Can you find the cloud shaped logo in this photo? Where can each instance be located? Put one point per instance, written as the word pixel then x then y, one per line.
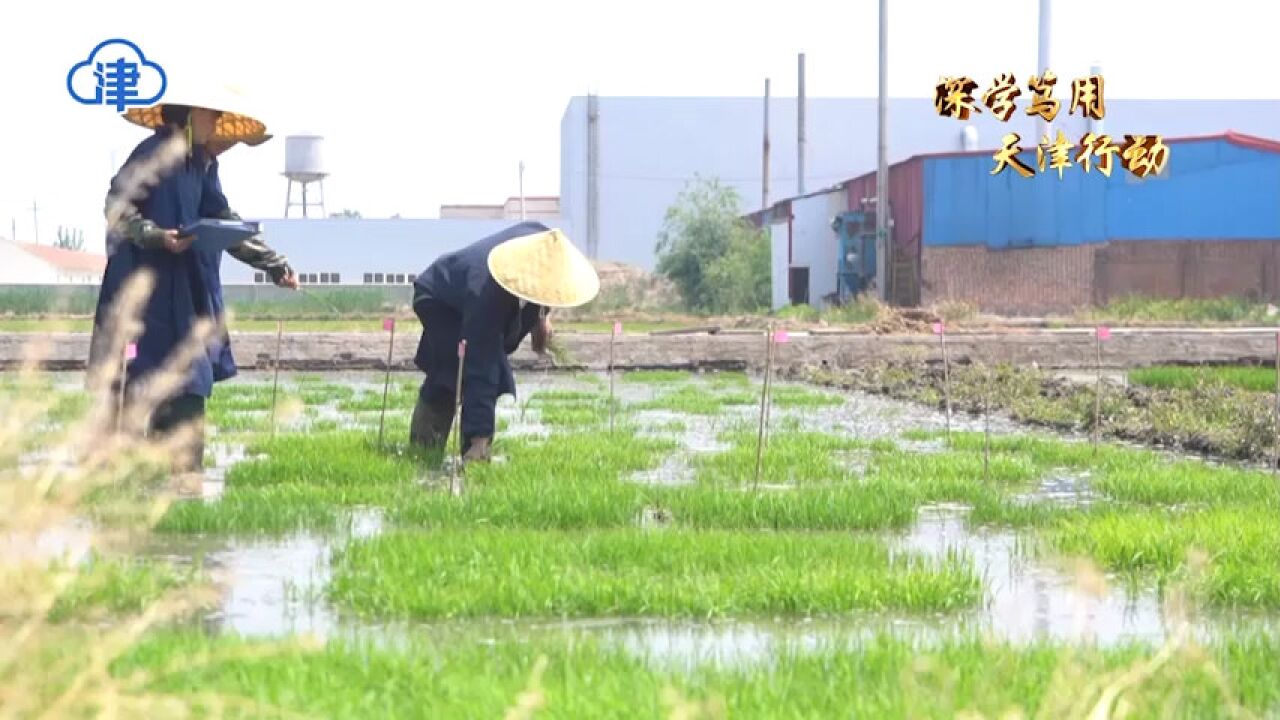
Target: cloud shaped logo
pixel 117 74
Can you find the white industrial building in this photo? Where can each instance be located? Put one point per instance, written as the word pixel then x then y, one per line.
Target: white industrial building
pixel 355 251
pixel 28 264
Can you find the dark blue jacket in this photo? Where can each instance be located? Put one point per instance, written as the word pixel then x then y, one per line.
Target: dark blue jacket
pixel 187 285
pixel 456 297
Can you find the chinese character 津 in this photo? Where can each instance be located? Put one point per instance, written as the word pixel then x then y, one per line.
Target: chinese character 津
pixel 953 97
pixel 1059 152
pixel 119 79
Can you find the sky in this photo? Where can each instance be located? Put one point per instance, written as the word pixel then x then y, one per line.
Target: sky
pixel 423 104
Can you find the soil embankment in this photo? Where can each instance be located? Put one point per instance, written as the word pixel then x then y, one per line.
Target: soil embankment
pixel 1045 349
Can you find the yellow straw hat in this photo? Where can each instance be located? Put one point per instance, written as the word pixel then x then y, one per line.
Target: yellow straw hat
pixel 545 268
pixel 237 121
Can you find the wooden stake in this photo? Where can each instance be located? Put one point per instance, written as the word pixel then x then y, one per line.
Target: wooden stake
pixel 986 429
pixel 1275 464
pixel 390 324
pixel 764 400
pixel 613 335
pixel 768 403
pixel 946 376
pixel 457 395
pixel 1097 395
pixel 275 382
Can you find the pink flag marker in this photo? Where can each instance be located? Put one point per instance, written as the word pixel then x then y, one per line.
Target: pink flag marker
pixel 462 349
pixel 131 351
pixel 617 328
pixel 1104 333
pixel 389 324
pixel 781 337
pixel 937 328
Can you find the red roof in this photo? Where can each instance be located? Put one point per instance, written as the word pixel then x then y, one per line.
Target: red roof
pixel 68 260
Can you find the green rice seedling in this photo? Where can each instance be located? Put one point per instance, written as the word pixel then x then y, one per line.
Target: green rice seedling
pixel 306 379
pixel 224 421
pixel 1251 378
pixel 486 674
pixel 325 393
pixel 372 402
pixel 526 573
pixel 728 380
pixel 654 377
pixel 790 458
pixel 275 509
pixel 1239 546
pixel 571 481
pixel 855 506
pixel 696 400
pixel 349 458
pixel 949 476
pixel 792 396
pixel 553 397
pixel 116 586
pixel 1188 481
pixel 998 510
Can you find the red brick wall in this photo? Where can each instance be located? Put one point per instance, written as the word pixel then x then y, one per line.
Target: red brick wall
pixel 1030 281
pixel 1021 281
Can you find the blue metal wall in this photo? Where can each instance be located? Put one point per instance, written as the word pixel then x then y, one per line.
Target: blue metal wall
pixel 1210 190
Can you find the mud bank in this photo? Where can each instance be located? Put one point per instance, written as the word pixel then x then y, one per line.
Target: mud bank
pixel 1214 421
pixel 1049 349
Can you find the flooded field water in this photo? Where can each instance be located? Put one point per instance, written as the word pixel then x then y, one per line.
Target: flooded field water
pixel 273 586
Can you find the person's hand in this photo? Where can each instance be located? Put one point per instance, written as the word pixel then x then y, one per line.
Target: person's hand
pixel 175 243
pixel 288 280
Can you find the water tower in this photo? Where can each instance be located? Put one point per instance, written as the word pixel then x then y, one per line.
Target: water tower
pixel 304 164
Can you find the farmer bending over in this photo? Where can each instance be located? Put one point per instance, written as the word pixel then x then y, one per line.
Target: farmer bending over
pixel 492 294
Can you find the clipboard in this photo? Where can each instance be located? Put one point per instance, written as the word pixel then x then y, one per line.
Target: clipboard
pixel 220 235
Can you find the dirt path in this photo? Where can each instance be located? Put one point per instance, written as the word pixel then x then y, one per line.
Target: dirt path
pixel 1046 349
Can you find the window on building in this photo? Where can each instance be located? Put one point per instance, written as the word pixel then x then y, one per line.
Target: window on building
pixel 333 277
pixel 377 277
pixel 400 278
pixel 259 278
pixel 311 278
pixel 324 278
pixel 412 278
pixel 368 278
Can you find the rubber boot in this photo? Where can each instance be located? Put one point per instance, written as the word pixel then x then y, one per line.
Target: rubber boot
pixel 431 422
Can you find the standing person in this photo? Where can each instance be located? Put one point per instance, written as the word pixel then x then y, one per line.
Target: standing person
pixel 492 294
pixel 143 235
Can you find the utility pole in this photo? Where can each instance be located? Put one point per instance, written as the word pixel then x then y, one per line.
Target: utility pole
pixel 13 226
pixel 522 190
pixel 764 177
pixel 35 220
pixel 1043 65
pixel 882 159
pixel 593 178
pixel 800 130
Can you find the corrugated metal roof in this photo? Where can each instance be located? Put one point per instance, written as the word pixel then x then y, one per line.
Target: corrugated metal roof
pixel 1235 138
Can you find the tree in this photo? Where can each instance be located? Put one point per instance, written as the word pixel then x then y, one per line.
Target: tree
pixel 69 239
pixel 346 214
pixel 717 260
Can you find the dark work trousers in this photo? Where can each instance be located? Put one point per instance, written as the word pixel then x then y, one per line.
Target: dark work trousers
pixel 437 398
pixel 176 413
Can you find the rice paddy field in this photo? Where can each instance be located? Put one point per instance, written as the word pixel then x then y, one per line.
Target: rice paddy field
pixel 623 557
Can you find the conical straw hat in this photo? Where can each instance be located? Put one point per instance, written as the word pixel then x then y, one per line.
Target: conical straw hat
pixel 237 122
pixel 545 268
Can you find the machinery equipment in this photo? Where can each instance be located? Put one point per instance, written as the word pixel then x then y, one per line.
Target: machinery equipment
pixel 856 263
